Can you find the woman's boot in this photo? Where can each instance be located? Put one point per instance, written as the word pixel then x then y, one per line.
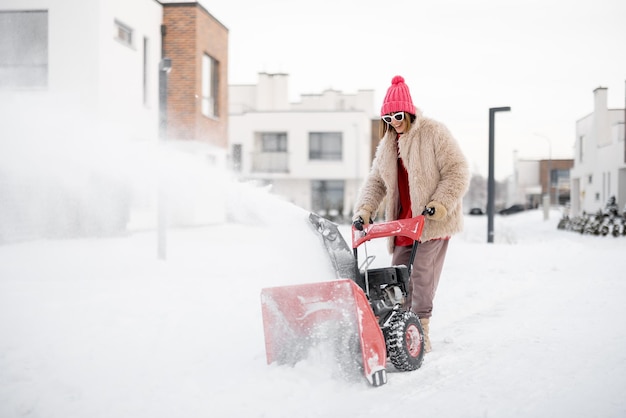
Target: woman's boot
pixel 426 328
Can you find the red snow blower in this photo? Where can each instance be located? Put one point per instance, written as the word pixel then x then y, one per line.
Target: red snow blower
pixel 360 317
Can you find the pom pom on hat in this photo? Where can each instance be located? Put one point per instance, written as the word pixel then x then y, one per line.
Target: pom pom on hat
pixel 398 98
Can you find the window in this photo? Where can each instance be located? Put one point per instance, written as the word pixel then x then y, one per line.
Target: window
pixel 580 148
pixel 327 197
pixel 270 152
pixel 123 33
pixel 273 142
pixel 559 176
pixel 210 83
pixel 145 71
pixel 24 49
pixel 325 146
pixel 236 157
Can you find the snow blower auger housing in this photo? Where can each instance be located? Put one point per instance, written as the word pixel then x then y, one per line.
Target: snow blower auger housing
pixel 361 316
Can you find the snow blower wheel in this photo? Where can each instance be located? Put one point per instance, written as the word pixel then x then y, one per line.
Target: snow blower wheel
pixel 405 341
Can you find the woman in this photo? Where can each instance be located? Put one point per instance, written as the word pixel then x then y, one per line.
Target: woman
pixel 418 164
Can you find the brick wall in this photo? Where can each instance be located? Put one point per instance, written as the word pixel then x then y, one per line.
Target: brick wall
pixel 191 32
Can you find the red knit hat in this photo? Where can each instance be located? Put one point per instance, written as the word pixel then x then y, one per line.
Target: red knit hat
pixel 398 98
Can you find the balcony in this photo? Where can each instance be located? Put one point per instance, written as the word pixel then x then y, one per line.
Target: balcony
pixel 270 162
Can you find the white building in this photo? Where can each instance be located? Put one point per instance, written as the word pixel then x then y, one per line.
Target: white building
pixel 315 153
pixel 77 79
pixel 525 185
pixel 80 106
pixel 93 60
pixel 599 170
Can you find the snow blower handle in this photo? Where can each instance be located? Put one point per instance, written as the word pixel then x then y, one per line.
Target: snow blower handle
pixel 428 211
pixel 358 223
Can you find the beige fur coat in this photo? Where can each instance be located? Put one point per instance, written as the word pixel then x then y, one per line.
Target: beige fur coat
pixel 437 171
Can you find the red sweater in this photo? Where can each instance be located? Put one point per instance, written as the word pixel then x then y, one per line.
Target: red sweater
pixel 405 202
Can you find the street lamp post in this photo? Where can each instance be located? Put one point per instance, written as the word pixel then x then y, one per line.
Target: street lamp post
pixel 491 183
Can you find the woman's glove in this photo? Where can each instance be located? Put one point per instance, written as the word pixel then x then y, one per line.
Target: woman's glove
pixel 362 216
pixel 440 211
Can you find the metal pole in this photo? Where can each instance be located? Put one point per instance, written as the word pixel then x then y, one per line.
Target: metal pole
pixel 164 68
pixel 491 182
pixel 549 171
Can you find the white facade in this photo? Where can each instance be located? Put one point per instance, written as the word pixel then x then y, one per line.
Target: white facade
pixel 78 87
pixel 295 171
pixel 79 146
pixel 92 77
pixel 599 170
pixel 525 185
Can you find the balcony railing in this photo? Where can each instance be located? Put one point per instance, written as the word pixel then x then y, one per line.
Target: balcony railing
pixel 270 162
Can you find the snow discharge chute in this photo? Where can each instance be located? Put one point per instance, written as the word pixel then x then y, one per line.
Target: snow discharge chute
pixel 335 314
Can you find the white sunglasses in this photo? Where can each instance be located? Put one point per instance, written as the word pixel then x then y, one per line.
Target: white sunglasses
pixel 396 116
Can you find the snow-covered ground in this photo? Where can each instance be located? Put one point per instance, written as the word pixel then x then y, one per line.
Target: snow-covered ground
pixel 530 326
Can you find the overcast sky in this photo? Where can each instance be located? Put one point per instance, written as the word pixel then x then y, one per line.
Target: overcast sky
pixel 543 58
